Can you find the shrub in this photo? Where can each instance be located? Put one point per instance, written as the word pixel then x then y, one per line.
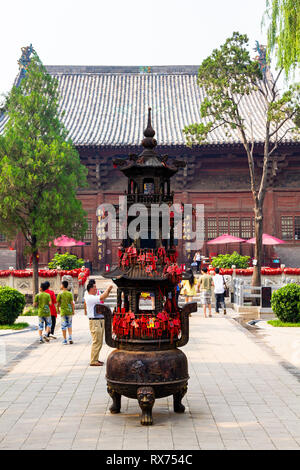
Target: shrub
pixel 65 261
pixel 15 326
pixel 12 303
pixel 226 261
pixel 285 303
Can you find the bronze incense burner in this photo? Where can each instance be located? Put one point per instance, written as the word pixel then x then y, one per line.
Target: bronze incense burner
pixel 146 363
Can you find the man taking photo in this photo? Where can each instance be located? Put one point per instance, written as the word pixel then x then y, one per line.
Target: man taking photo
pixel 96 320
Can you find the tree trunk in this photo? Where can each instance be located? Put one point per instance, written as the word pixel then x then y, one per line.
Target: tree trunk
pixel 256 278
pixel 35 267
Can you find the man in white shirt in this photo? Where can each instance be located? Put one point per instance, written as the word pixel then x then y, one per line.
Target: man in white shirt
pixel 96 320
pixel 219 291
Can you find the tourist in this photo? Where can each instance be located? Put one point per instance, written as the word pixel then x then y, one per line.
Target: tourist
pixel 205 285
pixel 189 286
pixel 96 320
pixel 66 308
pixel 197 259
pixel 81 283
pixel 42 302
pixel 93 282
pixel 220 285
pixel 52 310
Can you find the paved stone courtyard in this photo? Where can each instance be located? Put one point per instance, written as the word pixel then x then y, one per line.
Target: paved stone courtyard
pixel 239 397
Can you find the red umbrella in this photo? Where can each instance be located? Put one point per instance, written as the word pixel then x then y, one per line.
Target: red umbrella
pixel 267 240
pixel 66 241
pixel 224 239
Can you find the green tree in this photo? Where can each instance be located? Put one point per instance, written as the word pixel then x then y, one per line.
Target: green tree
pixel 284 32
pixel 40 169
pixel 228 75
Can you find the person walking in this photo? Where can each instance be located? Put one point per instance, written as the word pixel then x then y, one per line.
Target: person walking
pixel 219 288
pixel 66 308
pixel 96 320
pixel 205 285
pixel 42 302
pixel 197 259
pixel 52 310
pixel 189 286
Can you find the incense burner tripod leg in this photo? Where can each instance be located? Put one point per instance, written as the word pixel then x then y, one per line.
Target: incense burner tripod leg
pixel 146 399
pixel 116 398
pixel 177 397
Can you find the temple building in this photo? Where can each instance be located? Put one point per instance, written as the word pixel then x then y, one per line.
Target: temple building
pixel 104 111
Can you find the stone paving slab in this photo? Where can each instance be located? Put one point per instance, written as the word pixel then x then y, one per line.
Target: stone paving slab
pixel 239 397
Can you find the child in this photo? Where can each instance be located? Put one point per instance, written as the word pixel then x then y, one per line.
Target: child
pixel 43 301
pixel 65 306
pixel 52 309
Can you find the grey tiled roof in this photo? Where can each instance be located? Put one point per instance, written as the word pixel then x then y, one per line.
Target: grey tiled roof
pixel 107 106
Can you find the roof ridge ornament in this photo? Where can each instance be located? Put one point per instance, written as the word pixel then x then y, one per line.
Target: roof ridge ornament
pixel 25 57
pixel 149 142
pixel 24 61
pixel 261 58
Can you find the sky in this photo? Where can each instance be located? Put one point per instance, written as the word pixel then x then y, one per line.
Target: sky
pixel 122 32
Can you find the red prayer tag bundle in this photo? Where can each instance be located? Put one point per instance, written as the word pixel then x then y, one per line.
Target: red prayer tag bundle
pixel 125 325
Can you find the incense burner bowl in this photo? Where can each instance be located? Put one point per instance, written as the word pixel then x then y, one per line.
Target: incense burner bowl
pixel 147 369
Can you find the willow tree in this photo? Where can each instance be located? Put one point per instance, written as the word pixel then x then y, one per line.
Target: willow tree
pixel 284 32
pixel 40 169
pixel 228 75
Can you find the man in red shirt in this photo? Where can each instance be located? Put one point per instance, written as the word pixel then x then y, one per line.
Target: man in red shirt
pixel 52 310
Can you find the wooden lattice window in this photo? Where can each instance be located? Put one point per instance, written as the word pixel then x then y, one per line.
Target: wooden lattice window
pixel 2 238
pixel 223 225
pixel 88 236
pixel 212 229
pixel 287 228
pixel 234 226
pixel 246 227
pixel 115 229
pixel 297 227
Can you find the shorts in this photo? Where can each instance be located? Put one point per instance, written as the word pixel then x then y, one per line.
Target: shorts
pixel 66 322
pixel 205 297
pixel 46 320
